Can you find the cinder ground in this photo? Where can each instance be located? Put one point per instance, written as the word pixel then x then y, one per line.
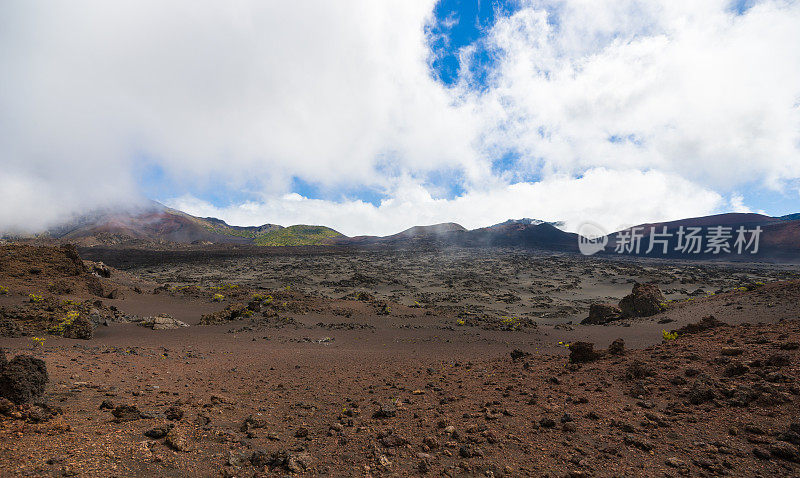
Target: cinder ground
pixel 361 368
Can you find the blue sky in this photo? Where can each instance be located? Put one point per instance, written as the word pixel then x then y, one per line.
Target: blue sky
pixel 390 114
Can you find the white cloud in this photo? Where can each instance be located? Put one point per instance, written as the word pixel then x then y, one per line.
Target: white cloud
pixel 252 93
pixel 737 203
pixel 238 92
pixel 686 87
pixel 606 197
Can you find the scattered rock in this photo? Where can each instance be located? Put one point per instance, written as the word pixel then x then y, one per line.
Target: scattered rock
pixel 22 378
pixel 174 413
pixel 706 323
pixel 517 355
pixel 101 270
pixel 675 462
pixel 391 440
pixel 785 451
pixel 39 412
pixel 162 322
pixel 735 369
pixel 778 360
pixel 293 462
pixel 177 440
pixel 638 370
pixel 229 313
pixel 633 440
pixel 79 328
pixel 600 314
pixel 159 431
pixel 702 390
pixel 547 423
pixel 643 301
pixel 761 453
pixel 126 413
pixel 7 407
pixel 431 442
pixel 469 451
pixel 253 422
pixel 617 347
pixel 387 410
pixel 581 352
pixel 237 459
pixel 9 328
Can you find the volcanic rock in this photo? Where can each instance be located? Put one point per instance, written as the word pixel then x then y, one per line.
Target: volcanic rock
pixel 643 301
pixel 162 322
pixel 9 328
pixel 22 378
pixel 600 314
pixel 580 352
pixel 617 347
pixel 79 328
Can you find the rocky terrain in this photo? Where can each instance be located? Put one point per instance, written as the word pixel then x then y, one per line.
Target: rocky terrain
pixel 395 363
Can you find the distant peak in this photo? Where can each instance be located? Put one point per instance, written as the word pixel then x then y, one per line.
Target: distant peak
pixel 530 222
pixel 442 228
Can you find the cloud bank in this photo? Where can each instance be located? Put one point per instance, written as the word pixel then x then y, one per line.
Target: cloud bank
pixel 617 112
pixel 614 198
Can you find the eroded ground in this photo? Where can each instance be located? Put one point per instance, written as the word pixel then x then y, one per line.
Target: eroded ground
pixel 487 282
pixel 361 368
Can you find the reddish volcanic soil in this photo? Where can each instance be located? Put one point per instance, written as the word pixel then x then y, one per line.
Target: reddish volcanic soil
pixel 355 376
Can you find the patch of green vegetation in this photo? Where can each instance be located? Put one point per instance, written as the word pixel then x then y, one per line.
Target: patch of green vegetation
pixel 509 323
pixel 263 299
pixel 3 290
pixel 228 231
pixel 299 235
pixel 66 322
pixel 225 286
pixel 35 298
pixel 667 336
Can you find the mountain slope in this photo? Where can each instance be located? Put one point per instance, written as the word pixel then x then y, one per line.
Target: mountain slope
pixel 156 223
pixel 298 235
pixel 507 234
pixel 779 239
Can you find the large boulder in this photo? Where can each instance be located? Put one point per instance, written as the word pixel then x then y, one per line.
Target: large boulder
pixel 79 328
pixel 600 314
pixel 22 378
pixel 581 352
pixel 645 300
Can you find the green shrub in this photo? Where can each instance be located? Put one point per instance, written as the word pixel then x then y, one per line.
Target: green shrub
pixel 667 336
pixel 65 322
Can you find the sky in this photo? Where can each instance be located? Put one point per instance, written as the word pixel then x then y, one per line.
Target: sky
pixel 373 116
